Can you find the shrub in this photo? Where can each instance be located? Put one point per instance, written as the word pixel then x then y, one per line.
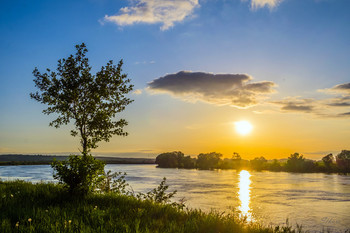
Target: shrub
pixel 114 182
pixel 80 174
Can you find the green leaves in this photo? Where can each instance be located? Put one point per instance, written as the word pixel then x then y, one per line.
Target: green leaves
pixel 80 174
pixel 91 101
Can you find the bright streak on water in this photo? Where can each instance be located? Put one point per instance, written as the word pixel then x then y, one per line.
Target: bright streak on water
pixel 244 194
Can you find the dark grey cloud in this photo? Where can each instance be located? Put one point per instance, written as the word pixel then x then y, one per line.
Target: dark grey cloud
pixel 222 89
pixel 339 102
pixel 296 105
pixel 329 107
pixel 345 114
pixel 343 98
pixel 345 87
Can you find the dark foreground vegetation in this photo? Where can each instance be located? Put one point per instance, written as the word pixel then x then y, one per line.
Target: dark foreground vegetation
pixel 295 163
pixel 47 207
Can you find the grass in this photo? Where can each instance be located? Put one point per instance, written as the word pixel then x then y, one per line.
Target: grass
pixel 47 207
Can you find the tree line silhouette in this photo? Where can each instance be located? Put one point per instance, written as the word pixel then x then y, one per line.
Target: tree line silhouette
pixel 295 162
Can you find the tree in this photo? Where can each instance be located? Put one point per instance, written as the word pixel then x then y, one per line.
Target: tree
pixel 170 159
pixel 92 101
pixel 208 160
pixel 258 163
pixel 295 163
pixel 275 165
pixel 328 161
pixel 236 160
pixel 343 161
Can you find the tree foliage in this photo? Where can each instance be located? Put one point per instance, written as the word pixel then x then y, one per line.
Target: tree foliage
pixel 114 182
pixel 343 161
pixel 92 101
pixel 170 159
pixel 208 160
pixel 80 174
pixel 258 163
pixel 295 162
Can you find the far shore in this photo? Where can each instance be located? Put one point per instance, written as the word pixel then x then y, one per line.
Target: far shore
pixel 20 159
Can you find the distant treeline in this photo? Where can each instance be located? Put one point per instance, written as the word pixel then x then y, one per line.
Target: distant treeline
pixel 295 163
pixel 19 159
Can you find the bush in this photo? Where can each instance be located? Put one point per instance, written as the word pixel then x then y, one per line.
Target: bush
pixel 114 182
pixel 159 195
pixel 80 174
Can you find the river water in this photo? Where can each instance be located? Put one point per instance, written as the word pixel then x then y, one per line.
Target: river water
pixel 319 202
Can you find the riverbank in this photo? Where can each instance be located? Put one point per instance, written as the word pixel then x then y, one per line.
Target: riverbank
pixel 19 159
pixel 46 207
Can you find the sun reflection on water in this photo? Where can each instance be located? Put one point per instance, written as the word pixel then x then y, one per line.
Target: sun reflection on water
pixel 244 194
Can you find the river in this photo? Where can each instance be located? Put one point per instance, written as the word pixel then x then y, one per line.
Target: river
pixel 316 201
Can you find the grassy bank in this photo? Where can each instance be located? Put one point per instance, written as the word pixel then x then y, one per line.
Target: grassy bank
pixel 27 207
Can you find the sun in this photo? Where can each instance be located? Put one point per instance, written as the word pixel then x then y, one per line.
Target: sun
pixel 243 127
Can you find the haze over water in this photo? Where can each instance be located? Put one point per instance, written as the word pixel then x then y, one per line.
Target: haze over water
pixel 317 201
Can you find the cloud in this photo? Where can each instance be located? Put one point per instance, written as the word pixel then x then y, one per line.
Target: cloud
pixel 163 12
pixel 144 62
pixel 342 88
pixel 294 104
pixel 221 89
pixel 345 114
pixel 137 92
pixel 325 108
pixel 256 4
pixel 343 98
pixel 339 101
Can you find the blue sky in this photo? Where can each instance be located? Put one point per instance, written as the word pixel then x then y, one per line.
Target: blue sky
pixel 301 46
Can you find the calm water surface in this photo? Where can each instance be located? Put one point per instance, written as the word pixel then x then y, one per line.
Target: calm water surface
pixel 317 201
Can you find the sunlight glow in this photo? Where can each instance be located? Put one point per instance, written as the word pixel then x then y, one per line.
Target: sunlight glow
pixel 244 194
pixel 243 127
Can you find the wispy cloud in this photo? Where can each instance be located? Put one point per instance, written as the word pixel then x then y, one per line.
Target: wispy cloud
pixel 295 104
pixel 326 107
pixel 256 4
pixel 166 13
pixel 342 98
pixel 235 90
pixel 340 88
pixel 137 92
pixel 144 62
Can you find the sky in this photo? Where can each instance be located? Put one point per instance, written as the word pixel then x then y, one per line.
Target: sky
pixel 198 66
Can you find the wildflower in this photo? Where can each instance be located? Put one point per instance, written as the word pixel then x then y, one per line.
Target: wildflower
pixel 29 219
pixel 17 224
pixel 11 195
pixel 95 207
pixel 46 211
pixel 69 221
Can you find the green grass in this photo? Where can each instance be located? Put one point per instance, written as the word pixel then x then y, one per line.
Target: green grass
pixel 52 209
